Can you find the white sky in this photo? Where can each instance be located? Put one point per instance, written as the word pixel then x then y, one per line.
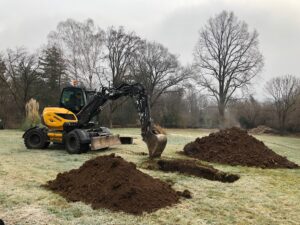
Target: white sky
pixel 174 23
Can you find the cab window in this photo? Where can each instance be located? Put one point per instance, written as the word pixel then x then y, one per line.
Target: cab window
pixel 72 99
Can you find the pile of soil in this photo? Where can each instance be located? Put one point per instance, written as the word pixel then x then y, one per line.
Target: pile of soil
pixel 263 130
pixel 193 168
pixel 235 147
pixel 113 183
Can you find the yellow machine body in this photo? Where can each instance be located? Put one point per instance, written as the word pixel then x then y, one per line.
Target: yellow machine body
pixel 55 118
pixel 55 136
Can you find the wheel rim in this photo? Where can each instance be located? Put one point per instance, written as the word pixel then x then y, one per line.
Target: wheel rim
pixel 35 139
pixel 72 142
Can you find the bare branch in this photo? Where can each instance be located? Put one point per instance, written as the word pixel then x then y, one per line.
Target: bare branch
pixel 157 69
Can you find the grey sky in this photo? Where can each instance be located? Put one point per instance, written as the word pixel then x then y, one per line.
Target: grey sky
pixel 174 23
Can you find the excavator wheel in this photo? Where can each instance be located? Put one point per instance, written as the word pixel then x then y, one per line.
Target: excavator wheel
pixel 36 138
pixel 73 144
pixel 85 148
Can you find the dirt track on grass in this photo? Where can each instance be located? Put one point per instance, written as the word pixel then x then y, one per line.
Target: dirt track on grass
pixel 192 168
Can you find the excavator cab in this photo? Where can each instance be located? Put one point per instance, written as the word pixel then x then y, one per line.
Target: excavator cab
pixel 73 99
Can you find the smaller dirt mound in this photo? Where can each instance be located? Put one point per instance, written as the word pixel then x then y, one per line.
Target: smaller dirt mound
pixel 192 168
pixel 263 130
pixel 235 147
pixel 113 183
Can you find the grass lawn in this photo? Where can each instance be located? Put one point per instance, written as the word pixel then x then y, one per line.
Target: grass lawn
pixel 260 196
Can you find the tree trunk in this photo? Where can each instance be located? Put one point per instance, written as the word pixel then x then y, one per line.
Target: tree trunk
pixel 221 107
pixel 282 124
pixel 110 115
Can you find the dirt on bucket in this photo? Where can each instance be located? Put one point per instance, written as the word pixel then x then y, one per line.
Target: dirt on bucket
pixel 193 168
pixel 113 183
pixel 236 147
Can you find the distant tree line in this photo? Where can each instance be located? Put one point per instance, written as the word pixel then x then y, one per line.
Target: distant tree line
pixel 210 92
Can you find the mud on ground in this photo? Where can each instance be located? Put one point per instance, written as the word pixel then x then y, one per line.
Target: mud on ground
pixel 191 167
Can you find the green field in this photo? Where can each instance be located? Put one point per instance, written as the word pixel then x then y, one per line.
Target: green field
pixel 260 196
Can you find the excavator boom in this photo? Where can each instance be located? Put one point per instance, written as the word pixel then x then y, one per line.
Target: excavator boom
pixel 155 141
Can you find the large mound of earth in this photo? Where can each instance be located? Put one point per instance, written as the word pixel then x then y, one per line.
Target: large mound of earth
pixel 113 183
pixel 236 147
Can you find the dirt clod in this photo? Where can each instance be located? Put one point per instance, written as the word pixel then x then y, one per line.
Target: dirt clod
pixel 235 147
pixel 113 183
pixel 193 168
pixel 186 193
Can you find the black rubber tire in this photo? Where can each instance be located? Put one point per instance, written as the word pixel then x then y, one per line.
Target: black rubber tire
pixel 47 144
pixel 36 139
pixel 72 143
pixel 84 148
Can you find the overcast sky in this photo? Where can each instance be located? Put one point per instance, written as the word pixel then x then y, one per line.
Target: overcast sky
pixel 174 23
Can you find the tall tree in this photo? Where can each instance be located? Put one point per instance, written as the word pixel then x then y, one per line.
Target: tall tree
pixel 2 66
pixel 53 71
pixel 157 69
pixel 121 46
pixel 83 46
pixel 21 77
pixel 284 92
pixel 226 58
pixel 4 93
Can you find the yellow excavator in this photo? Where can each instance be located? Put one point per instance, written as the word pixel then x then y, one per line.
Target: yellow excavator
pixel 70 123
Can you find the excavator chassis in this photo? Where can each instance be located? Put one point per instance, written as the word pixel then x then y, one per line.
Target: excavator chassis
pixel 76 141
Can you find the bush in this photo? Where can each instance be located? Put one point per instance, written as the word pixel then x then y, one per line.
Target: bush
pixel 32 115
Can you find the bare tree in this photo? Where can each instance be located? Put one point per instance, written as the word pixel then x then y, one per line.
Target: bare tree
pixel 83 46
pixel 248 112
pixel 157 69
pixel 195 103
pixel 121 46
pixel 227 58
pixel 2 65
pixel 284 92
pixel 21 77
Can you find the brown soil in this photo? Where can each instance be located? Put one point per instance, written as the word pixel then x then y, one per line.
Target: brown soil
pixel 113 183
pixel 263 130
pixel 235 147
pixel 193 168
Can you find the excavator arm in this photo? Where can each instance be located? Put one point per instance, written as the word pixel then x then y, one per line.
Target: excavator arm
pixel 156 142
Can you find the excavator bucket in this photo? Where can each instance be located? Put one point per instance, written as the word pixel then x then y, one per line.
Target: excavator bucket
pixel 156 143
